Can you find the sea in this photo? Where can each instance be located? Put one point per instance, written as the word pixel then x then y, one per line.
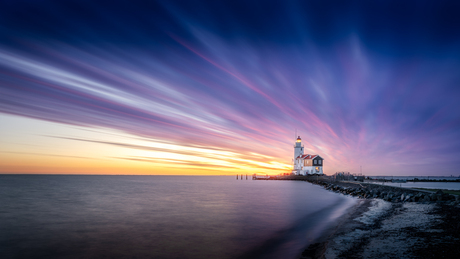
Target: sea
pixel 438 178
pixel 440 182
pixel 425 185
pixel 94 216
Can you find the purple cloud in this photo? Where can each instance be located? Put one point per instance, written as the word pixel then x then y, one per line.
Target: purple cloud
pixel 353 100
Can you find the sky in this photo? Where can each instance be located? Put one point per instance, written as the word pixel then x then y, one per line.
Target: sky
pixel 222 87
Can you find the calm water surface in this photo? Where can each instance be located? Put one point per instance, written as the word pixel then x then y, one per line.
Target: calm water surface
pixel 427 185
pixel 45 216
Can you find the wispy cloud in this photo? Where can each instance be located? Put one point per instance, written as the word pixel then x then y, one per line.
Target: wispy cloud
pixel 232 89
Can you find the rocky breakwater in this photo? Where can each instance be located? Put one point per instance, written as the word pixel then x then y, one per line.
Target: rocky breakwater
pixel 388 193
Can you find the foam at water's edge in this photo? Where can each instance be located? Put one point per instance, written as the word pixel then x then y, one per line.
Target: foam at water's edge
pixel 375 211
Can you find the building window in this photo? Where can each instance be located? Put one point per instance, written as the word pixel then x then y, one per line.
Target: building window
pixel 319 161
pixel 314 162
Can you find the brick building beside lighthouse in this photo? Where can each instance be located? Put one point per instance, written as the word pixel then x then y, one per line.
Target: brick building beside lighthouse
pixel 306 164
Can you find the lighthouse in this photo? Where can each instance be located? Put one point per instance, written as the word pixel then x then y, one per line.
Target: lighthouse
pixel 306 164
pixel 298 148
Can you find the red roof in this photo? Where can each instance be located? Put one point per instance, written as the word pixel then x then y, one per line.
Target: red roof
pixel 307 156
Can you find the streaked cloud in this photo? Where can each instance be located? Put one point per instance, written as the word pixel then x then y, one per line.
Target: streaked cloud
pixel 206 85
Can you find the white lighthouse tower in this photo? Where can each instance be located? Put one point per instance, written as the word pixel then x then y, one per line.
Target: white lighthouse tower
pixel 298 151
pixel 298 148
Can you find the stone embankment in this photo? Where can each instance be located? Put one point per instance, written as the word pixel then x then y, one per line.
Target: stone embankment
pixel 388 193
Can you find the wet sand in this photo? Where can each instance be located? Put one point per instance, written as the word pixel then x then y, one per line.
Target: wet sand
pixel 379 229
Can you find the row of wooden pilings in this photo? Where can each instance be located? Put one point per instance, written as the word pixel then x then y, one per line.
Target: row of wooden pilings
pixel 242 177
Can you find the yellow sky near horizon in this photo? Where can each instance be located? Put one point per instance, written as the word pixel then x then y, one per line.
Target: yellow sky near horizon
pixel 31 146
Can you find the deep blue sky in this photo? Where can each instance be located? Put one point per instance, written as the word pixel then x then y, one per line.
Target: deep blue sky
pixel 391 27
pixel 373 83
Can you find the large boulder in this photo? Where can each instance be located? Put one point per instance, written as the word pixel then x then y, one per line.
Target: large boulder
pixel 450 197
pixel 444 197
pixel 409 197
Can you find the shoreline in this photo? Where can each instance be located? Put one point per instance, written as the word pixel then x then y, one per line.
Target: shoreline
pixel 318 249
pixel 391 228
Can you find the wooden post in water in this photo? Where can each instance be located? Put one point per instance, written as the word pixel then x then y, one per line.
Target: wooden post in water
pixel 246 176
pixel 237 177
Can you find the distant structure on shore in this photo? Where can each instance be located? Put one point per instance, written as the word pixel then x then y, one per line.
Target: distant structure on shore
pixel 306 164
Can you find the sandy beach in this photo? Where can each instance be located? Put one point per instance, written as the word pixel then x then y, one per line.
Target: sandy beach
pixel 375 228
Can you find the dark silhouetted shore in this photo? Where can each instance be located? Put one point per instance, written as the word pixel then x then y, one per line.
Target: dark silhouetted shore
pixel 392 225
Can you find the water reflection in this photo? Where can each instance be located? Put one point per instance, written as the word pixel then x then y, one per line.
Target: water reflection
pixel 161 216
